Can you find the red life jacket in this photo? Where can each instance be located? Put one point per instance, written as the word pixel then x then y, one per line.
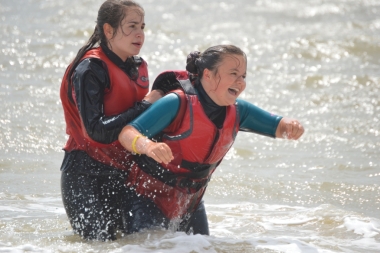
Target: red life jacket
pixel 121 95
pixel 198 147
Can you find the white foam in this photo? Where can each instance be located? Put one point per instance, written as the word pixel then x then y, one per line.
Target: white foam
pixel 289 248
pixel 241 227
pixel 360 227
pixel 291 221
pixel 367 243
pixel 172 243
pixel 47 208
pixel 23 249
pixel 12 209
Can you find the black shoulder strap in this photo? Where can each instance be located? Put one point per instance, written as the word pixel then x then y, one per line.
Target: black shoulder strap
pixel 187 87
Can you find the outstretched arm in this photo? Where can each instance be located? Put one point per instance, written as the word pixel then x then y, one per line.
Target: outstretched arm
pixel 256 120
pixel 289 128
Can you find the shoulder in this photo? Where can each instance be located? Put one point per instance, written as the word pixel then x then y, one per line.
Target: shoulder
pixel 242 104
pixel 91 63
pixel 95 66
pixel 246 108
pixel 164 108
pixel 168 103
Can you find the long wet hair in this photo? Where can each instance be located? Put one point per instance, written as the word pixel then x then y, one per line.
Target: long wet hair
pixel 112 12
pixel 210 59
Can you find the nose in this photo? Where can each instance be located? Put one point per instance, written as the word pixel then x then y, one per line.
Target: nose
pixel 140 33
pixel 241 79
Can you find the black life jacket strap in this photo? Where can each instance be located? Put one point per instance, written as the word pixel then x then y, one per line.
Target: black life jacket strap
pixel 187 87
pixel 195 179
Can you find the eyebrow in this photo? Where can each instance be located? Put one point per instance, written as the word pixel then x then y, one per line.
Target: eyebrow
pixel 134 22
pixel 235 69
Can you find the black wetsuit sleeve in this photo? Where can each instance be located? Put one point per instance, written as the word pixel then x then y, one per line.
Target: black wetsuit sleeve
pixel 90 81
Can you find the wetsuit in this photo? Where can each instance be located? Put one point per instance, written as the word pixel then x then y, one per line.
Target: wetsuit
pixel 107 94
pixel 145 213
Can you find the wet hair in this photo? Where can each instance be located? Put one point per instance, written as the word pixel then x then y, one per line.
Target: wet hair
pixel 112 12
pixel 210 59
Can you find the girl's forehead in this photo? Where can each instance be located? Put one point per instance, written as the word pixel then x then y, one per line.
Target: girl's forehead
pixel 134 14
pixel 134 11
pixel 234 61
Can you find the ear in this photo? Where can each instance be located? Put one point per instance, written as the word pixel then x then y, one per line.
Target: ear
pixel 108 31
pixel 207 74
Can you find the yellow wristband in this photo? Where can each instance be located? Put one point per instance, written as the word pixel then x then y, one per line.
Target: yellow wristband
pixel 134 144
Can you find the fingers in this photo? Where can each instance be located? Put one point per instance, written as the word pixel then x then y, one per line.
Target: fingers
pixel 160 152
pixel 289 128
pixel 296 130
pixel 299 132
pixel 293 130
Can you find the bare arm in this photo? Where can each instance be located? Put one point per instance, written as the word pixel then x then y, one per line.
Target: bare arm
pixel 132 140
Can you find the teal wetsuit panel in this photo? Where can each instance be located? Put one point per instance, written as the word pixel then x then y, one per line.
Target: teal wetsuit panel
pixel 158 116
pixel 163 112
pixel 256 120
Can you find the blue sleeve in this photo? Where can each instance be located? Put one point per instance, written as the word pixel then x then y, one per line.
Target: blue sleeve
pixel 158 116
pixel 256 120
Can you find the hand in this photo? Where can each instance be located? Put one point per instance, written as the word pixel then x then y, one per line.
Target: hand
pixel 159 151
pixel 289 129
pixel 153 96
pixel 166 82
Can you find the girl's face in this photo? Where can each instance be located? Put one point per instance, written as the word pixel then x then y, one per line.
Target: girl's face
pixel 228 82
pixel 130 36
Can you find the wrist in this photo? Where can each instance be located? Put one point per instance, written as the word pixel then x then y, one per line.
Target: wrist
pixel 146 102
pixel 134 144
pixel 140 144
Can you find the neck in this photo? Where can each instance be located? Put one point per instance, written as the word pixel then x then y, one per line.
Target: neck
pixel 214 112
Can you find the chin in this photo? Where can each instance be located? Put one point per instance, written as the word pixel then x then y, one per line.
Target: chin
pixel 227 104
pixel 230 102
pixel 135 52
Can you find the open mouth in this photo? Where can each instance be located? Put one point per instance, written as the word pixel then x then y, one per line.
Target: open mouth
pixel 233 91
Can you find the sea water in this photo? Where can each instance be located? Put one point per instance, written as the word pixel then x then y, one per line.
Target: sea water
pixel 314 60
